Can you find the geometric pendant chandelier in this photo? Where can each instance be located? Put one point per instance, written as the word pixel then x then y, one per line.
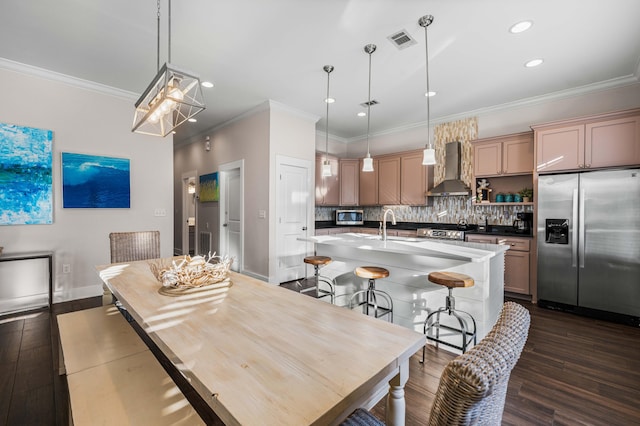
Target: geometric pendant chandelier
pixel 173 96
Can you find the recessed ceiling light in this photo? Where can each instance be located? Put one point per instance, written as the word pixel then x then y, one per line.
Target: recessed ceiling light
pixel 520 27
pixel 362 114
pixel 192 120
pixel 207 84
pixel 533 63
pixel 329 100
pixel 430 93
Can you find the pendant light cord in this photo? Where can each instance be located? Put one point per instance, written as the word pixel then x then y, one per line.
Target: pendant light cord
pixel 169 43
pixel 370 50
pixel 328 69
pixel 426 48
pixel 158 41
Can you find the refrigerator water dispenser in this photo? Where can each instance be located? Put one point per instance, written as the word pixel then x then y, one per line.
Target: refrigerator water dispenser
pixel 557 231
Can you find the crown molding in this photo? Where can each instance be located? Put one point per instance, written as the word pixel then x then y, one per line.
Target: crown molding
pixel 30 70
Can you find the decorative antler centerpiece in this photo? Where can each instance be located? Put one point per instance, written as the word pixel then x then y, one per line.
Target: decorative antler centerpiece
pixel 191 272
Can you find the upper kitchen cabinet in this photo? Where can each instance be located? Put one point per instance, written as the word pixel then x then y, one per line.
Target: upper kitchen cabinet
pixel 413 178
pixel 389 180
pixel 606 140
pixel 349 182
pixel 397 179
pixel 503 155
pixel 327 188
pixel 368 185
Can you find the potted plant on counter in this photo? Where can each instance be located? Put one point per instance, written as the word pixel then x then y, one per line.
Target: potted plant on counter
pixel 526 194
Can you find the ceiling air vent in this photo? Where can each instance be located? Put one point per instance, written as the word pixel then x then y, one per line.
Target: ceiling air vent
pixel 372 103
pixel 401 39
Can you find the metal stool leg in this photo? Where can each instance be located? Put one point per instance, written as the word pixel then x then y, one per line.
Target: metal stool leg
pixel 319 291
pixel 463 330
pixel 370 300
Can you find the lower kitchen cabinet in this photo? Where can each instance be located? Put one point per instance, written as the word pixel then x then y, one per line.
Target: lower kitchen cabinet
pixel 516 265
pixel 517 261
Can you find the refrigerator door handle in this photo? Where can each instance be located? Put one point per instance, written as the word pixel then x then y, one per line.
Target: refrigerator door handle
pixel 581 240
pixel 574 230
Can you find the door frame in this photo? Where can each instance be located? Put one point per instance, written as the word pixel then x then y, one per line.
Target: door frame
pixel 224 170
pixel 283 160
pixel 184 217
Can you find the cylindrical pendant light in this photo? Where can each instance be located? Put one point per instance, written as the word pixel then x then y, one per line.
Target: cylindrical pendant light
pixel 367 162
pixel 429 154
pixel 326 165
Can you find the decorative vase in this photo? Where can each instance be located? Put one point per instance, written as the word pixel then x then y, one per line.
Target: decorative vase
pixel 500 198
pixel 508 198
pixel 517 198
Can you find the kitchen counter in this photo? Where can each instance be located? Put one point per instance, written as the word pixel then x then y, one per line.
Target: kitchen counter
pixel 455 250
pixel 497 230
pixel 409 261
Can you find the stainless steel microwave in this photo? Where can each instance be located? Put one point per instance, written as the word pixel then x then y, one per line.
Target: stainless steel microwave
pixel 349 217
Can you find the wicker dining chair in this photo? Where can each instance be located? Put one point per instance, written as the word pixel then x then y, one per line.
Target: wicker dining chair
pixel 473 386
pixel 132 246
pixel 129 247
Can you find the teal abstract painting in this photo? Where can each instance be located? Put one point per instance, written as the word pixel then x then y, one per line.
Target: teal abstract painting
pixel 93 181
pixel 25 175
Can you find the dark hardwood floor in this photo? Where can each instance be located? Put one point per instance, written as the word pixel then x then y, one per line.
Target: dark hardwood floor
pixel 573 371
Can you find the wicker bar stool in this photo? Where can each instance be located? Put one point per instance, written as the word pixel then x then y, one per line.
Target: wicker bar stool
pixel 451 280
pixel 317 262
pixel 371 294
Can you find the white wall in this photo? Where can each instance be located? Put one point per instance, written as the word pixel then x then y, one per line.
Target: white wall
pixel 257 136
pixel 245 138
pixel 292 134
pixel 88 121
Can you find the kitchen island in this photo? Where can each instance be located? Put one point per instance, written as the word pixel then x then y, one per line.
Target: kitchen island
pixel 409 261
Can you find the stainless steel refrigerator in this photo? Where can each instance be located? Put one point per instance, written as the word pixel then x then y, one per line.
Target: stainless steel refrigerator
pixel 589 242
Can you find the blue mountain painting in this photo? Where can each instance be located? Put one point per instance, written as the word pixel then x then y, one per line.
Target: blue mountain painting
pixel 25 175
pixel 90 181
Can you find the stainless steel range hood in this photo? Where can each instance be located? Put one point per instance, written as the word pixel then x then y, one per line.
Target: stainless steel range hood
pixel 452 185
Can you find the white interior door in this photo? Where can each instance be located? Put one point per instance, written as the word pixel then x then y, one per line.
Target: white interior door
pixel 232 213
pixel 293 204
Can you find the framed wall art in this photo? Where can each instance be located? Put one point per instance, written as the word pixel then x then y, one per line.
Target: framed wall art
pixel 25 175
pixel 209 188
pixel 92 181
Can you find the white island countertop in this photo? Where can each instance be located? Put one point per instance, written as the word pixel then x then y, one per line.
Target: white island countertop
pixel 447 249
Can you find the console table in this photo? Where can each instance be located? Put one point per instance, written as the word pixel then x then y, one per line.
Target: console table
pixel 13 257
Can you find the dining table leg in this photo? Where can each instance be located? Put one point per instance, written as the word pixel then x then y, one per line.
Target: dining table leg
pixel 396 406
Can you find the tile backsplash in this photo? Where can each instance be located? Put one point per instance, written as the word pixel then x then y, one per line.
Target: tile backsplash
pixel 444 210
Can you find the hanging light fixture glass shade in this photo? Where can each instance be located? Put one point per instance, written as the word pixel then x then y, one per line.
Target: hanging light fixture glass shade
pixel 367 162
pixel 429 154
pixel 173 97
pixel 326 165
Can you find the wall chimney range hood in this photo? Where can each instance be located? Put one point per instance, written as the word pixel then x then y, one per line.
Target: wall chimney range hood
pixel 452 185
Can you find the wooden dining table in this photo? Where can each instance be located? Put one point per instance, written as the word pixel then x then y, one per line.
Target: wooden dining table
pixel 260 354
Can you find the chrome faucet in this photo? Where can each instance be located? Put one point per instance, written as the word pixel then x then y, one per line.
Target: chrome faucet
pixel 384 222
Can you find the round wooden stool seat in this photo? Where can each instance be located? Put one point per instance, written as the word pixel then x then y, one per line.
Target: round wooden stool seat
pixel 317 260
pixel 371 272
pixel 451 279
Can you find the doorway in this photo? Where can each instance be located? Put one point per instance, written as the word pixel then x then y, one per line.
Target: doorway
pixel 232 213
pixel 293 212
pixel 189 214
